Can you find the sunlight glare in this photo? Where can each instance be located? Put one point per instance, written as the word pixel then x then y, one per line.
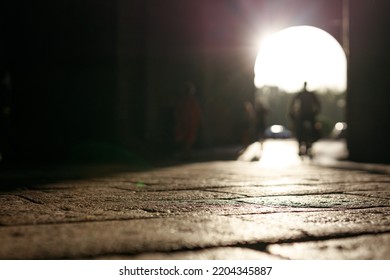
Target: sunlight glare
pixel 279 154
pixel 301 53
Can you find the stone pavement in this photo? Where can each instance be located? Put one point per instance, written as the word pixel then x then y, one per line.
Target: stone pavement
pixel 202 210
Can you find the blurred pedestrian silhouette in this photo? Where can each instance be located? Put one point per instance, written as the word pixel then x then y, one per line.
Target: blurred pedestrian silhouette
pixel 251 148
pixel 261 123
pixel 187 120
pixel 248 125
pixel 303 111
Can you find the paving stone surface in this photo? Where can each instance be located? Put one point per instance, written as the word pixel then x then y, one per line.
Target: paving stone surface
pixel 365 247
pixel 203 210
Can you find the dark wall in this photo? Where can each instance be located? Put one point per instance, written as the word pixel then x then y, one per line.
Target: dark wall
pixel 62 60
pixel 131 55
pixel 369 75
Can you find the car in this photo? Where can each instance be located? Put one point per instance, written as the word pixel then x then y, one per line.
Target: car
pixel 277 131
pixel 339 130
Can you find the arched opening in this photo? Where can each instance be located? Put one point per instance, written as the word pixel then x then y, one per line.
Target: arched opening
pixel 289 58
pixel 295 55
pixel 301 53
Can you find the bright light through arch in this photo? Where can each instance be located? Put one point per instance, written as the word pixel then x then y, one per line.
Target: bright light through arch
pixel 301 53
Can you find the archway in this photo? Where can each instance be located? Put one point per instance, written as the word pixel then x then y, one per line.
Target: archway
pixel 299 54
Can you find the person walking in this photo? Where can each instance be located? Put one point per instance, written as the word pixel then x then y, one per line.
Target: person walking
pixel 303 111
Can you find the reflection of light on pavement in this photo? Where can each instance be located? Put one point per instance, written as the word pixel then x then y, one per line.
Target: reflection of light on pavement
pixel 279 153
pixel 328 151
